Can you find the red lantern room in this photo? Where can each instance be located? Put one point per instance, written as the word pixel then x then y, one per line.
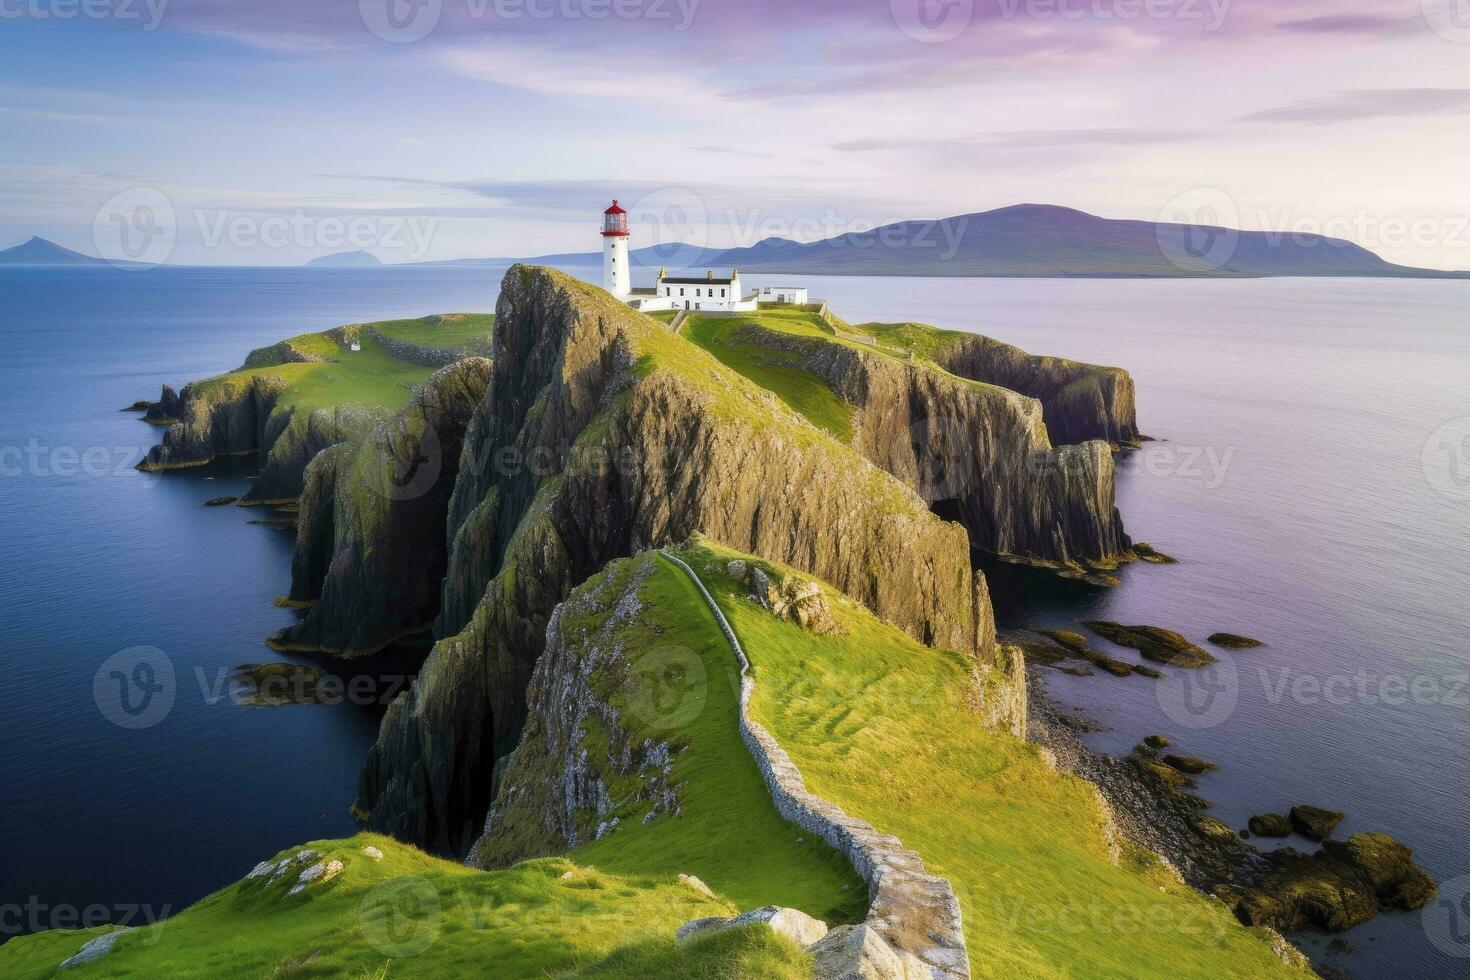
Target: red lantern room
pixel 614 222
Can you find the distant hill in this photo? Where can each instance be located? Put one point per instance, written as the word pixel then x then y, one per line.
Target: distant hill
pixel 346 260
pixel 1031 240
pixel 1050 241
pixel 38 251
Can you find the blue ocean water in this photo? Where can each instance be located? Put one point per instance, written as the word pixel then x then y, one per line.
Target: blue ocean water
pixel 1310 475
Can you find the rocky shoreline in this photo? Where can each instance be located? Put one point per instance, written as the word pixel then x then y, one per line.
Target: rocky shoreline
pixel 1343 884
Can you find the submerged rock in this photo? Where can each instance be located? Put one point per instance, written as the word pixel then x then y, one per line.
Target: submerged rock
pixel 220 501
pixel 1189 764
pixel 1270 825
pixel 1342 885
pixel 1076 644
pixel 1148 553
pixel 278 684
pixel 1315 822
pixel 1233 641
pixel 1153 642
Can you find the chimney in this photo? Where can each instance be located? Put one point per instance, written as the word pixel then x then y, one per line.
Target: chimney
pixel 709 275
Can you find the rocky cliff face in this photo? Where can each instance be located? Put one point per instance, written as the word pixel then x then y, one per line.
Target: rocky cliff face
pixel 220 417
pixel 602 435
pixel 1080 401
pixel 976 452
pixel 370 547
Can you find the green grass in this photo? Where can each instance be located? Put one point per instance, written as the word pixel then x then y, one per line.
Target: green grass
pixel 799 389
pixel 727 833
pixel 448 330
pixel 412 915
pixel 372 376
pixel 880 725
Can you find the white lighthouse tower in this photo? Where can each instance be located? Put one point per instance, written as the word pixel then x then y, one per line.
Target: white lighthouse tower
pixel 616 276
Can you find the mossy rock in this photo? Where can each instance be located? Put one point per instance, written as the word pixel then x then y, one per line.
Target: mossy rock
pixel 1153 642
pixel 1147 552
pixel 1233 641
pixel 1269 825
pixel 1189 764
pixel 1156 741
pixel 1315 822
pixel 1341 886
pixel 1143 670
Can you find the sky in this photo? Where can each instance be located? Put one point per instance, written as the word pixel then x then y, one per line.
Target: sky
pixel 269 132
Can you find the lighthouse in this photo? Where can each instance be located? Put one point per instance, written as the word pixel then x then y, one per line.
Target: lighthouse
pixel 615 273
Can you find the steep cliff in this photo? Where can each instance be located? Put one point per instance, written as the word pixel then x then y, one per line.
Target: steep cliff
pixel 293 399
pixel 1081 401
pixel 603 434
pixel 977 452
pixel 370 546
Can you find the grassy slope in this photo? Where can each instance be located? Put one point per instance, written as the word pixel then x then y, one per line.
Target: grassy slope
pixel 800 390
pixel 727 834
pixel 430 918
pixel 879 724
pixel 371 376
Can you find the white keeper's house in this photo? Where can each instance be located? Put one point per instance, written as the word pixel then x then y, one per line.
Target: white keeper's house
pixel 710 292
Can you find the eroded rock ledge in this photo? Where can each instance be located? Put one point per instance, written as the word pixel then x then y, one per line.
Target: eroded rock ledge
pixel 1081 401
pixel 979 453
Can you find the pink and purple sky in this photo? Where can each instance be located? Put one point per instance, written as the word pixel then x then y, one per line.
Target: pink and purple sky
pixel 278 130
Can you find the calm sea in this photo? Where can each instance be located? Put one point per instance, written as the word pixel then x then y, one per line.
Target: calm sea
pixel 1312 474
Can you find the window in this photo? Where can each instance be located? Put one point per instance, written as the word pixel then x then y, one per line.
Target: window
pixel 722 294
pixel 698 293
pixel 681 290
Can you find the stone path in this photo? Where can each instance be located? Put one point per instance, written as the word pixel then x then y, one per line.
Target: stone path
pixel 915 912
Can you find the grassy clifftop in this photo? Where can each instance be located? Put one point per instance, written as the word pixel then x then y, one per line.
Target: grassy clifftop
pixel 405 914
pixel 880 725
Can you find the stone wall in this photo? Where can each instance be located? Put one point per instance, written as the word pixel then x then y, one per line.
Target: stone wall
pixel 916 912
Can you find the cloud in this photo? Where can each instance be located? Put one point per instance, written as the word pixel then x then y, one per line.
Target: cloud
pixel 1371 25
pixel 1369 104
pixel 1028 139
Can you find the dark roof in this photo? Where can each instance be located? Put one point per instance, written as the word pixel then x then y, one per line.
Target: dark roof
pixel 697 282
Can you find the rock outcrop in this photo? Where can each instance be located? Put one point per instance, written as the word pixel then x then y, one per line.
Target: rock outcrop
pixel 370 549
pixel 224 416
pixel 1081 401
pixel 601 435
pixel 978 453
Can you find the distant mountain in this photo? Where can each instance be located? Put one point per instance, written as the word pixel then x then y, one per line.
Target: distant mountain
pixel 38 251
pixel 1050 241
pixel 346 260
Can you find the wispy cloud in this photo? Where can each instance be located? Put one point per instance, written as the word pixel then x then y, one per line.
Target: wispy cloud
pixel 1027 139
pixel 1369 104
